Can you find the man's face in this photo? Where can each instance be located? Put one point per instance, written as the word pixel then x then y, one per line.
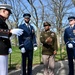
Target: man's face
pixel 46 27
pixel 72 22
pixel 27 20
pixel 5 13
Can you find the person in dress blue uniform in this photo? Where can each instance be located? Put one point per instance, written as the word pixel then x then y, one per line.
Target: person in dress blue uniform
pixel 27 43
pixel 5 34
pixel 69 38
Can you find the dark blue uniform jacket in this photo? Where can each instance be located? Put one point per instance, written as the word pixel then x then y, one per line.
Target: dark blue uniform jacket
pixel 69 35
pixel 28 38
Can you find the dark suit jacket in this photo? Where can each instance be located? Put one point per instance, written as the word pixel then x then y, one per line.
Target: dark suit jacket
pixel 69 34
pixel 28 38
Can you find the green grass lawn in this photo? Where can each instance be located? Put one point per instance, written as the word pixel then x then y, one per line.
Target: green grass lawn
pixel 16 57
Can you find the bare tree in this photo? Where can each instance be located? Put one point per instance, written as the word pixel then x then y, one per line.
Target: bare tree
pixel 36 16
pixel 59 12
pixel 53 11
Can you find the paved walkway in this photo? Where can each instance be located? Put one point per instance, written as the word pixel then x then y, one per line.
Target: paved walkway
pixel 61 68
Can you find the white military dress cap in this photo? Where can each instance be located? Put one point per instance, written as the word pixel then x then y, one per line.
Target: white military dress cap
pixel 6 6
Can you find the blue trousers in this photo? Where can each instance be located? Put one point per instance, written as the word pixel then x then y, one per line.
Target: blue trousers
pixel 74 52
pixel 27 65
pixel 70 53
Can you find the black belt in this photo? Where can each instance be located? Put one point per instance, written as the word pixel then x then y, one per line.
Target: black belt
pixel 71 39
pixel 27 38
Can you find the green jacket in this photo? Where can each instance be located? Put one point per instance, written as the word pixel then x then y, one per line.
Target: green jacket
pixel 48 49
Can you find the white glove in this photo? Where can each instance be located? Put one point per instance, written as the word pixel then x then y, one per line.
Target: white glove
pixel 17 31
pixel 10 50
pixel 70 45
pixel 35 48
pixel 23 50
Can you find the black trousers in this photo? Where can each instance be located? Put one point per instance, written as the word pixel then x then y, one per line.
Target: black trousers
pixel 70 53
pixel 27 65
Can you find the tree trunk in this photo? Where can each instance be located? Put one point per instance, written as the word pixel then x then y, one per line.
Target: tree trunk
pixel 15 40
pixel 38 37
pixel 73 2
